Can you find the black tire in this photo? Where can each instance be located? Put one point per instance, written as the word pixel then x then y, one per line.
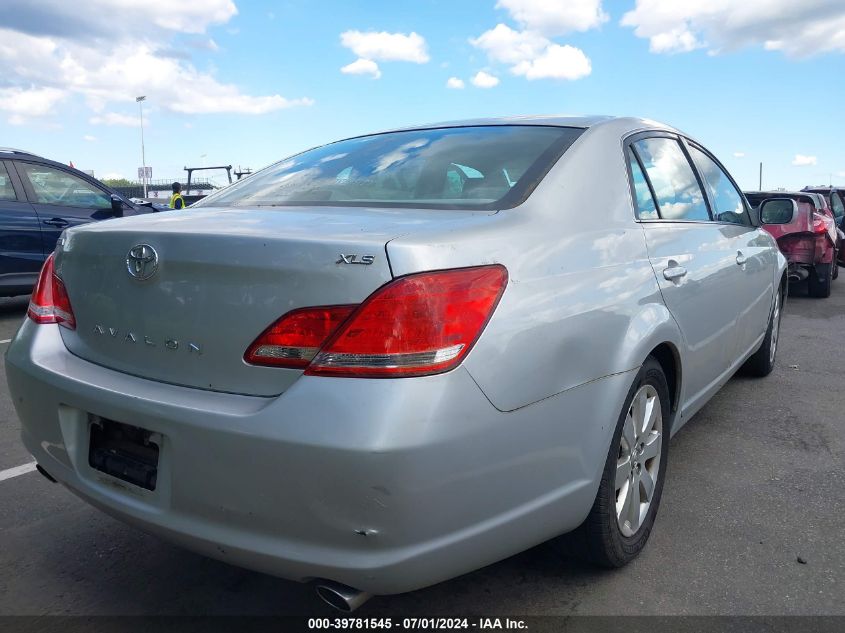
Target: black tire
pixel 599 539
pixel 820 288
pixel 762 362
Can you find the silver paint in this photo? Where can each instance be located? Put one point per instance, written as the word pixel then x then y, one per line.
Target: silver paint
pixel 301 464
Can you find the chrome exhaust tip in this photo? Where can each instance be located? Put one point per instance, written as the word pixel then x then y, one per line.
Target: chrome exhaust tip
pixel 341 597
pixel 798 274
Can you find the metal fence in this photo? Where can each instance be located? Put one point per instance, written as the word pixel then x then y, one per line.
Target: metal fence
pixel 160 188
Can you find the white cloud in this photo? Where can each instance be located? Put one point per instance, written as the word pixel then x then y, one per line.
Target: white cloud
pixel 532 55
pixel 484 80
pixel 89 138
pixel 22 104
pixel 218 98
pixel 505 45
pixel 362 67
pixel 455 83
pixel 678 40
pixel 801 160
pixel 386 47
pixel 95 19
pixel 555 18
pixel 739 154
pixel 556 62
pixel 56 47
pixel 796 28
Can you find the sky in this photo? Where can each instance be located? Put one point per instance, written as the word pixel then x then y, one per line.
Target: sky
pixel 249 82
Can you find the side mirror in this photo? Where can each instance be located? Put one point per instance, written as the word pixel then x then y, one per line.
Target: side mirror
pixel 778 211
pixel 117 205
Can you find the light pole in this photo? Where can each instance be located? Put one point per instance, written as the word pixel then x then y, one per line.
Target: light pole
pixel 143 157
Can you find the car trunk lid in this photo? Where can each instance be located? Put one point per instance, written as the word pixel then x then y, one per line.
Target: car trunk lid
pixel 223 276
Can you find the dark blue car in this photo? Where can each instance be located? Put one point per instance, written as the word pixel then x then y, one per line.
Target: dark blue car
pixel 39 198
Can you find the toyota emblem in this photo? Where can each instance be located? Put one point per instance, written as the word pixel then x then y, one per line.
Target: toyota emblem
pixel 142 261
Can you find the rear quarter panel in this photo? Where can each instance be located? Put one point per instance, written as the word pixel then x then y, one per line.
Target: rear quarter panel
pixel 582 301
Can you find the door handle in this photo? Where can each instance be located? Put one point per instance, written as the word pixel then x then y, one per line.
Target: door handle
pixel 58 222
pixel 740 258
pixel 674 272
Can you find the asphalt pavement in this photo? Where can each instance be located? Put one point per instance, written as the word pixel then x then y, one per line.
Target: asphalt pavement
pixel 755 481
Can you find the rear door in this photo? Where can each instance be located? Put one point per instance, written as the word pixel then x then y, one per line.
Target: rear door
pixel 755 258
pixel 837 205
pixel 21 254
pixel 694 258
pixel 62 199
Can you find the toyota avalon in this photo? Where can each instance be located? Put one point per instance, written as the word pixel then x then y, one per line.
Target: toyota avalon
pixel 393 359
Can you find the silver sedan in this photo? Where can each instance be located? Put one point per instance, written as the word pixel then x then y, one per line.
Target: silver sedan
pixel 390 360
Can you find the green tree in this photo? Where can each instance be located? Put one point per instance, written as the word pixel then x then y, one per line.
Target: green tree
pixel 118 182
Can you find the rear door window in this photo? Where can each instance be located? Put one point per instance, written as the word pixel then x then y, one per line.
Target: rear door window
pixel 679 196
pixel 837 204
pixel 725 198
pixel 646 209
pixel 7 191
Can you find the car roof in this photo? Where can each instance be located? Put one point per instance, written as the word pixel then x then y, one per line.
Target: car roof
pixel 21 152
pixel 808 194
pixel 625 124
pixel 823 189
pixel 12 153
pixel 817 197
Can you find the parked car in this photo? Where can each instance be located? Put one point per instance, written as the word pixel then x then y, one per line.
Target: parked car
pixel 809 242
pixel 39 198
pixel 390 360
pixel 835 197
pixel 151 204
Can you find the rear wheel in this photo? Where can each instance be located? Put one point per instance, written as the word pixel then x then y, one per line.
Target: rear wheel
pixel 623 513
pixel 762 362
pixel 820 280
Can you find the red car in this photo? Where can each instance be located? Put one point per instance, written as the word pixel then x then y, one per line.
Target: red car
pixel 835 197
pixel 809 241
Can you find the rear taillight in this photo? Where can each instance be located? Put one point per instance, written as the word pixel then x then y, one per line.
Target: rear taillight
pixel 819 225
pixel 295 339
pixel 417 325
pixel 49 302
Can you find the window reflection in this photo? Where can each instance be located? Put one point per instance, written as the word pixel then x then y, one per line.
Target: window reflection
pixel 726 200
pixel 679 196
pixel 646 209
pixel 461 167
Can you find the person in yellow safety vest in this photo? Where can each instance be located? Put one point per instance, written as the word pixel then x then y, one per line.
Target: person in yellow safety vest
pixel 176 200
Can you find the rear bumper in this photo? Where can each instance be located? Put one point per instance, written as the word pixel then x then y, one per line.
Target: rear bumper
pixel 384 485
pixel 805 250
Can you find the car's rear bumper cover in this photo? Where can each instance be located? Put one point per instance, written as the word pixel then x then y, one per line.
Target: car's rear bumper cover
pixel 384 485
pixel 806 249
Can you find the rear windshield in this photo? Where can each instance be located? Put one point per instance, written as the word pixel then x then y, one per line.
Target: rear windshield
pixel 483 167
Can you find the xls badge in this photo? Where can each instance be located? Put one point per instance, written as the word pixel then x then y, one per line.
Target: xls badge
pixel 365 260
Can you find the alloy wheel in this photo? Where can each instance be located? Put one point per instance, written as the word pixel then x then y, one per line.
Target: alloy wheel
pixel 638 461
pixel 773 347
